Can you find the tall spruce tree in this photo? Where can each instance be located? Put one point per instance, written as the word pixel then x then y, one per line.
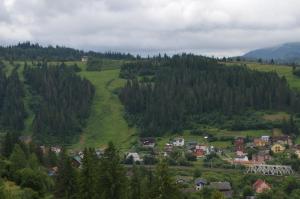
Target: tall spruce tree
pixel 66 181
pixel 89 176
pixel 18 159
pixel 112 183
pixel 13 110
pixel 165 186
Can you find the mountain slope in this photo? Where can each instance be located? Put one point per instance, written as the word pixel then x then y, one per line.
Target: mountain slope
pixel 289 52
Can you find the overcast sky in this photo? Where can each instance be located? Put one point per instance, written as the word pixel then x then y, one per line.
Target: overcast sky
pixel 210 27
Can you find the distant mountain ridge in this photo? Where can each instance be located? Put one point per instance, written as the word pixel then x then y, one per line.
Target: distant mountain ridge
pixel 288 52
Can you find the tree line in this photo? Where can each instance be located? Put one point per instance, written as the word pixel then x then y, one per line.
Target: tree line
pixel 29 51
pixel 186 88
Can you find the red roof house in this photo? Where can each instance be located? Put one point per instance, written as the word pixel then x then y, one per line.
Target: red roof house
pixel 260 186
pixel 199 153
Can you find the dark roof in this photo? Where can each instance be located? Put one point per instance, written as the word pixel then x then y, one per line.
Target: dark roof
pixel 200 181
pixel 221 186
pixel 148 140
pixel 77 158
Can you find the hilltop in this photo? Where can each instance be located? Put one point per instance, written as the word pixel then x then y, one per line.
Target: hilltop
pixel 285 53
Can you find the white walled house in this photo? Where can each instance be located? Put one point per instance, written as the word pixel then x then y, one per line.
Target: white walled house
pixel 178 142
pixel 135 156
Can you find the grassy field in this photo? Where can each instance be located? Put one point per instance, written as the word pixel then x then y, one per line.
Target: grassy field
pixel 106 122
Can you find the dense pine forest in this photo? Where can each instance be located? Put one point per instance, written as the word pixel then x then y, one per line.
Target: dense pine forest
pixel 61 100
pixel 12 111
pixel 168 94
pixel 31 52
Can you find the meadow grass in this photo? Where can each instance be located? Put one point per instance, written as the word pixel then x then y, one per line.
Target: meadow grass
pixel 106 122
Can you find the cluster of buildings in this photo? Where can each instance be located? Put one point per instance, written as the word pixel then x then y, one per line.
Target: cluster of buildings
pixel 192 147
pixel 265 146
pixel 259 186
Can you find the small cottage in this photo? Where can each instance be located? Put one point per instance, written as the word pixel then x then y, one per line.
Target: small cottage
pixel 261 157
pixel 135 157
pixel 283 140
pixel 199 153
pixel 277 148
pixel 239 144
pixel 265 138
pixel 258 142
pixel 148 142
pixel 223 187
pixel 200 183
pixel 84 59
pixel 179 142
pixel 241 159
pixel 297 152
pixel 261 186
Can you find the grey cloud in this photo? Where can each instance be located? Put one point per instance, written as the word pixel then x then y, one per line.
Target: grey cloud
pixel 220 27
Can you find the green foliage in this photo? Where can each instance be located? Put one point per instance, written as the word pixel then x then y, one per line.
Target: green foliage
pixel 66 180
pixel 89 176
pixel 34 179
pixel 12 111
pixel 207 193
pixel 18 159
pixel 94 64
pixel 187 88
pixel 112 175
pixel 164 186
pixel 29 51
pixel 64 102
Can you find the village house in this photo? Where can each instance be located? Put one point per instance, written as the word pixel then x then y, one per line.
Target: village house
pixel 223 187
pixel 148 142
pixel 210 149
pixel 179 142
pixel 135 157
pixel 277 148
pixel 76 161
pixel 52 171
pixel 56 150
pixel 43 149
pixel 261 186
pixel 239 144
pixel 241 159
pixel 191 145
pixel 84 59
pixel 200 183
pixel 265 138
pixel 297 152
pixel 99 152
pixel 199 153
pixel 258 142
pixel 168 148
pixel 283 140
pixel 261 157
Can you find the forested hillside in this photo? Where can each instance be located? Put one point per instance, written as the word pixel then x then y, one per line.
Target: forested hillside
pixel 61 100
pixel 175 92
pixel 12 111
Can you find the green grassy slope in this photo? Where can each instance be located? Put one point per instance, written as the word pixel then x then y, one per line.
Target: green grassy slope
pixel 106 122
